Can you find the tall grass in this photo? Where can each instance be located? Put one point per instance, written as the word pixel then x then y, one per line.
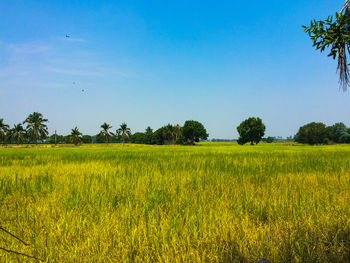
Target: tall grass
pixel 211 203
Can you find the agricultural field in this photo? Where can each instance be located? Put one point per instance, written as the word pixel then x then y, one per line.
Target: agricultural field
pixel 214 202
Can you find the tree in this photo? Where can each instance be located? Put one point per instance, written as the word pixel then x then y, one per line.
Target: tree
pixel 138 137
pixel 36 127
pixel 338 130
pixel 18 133
pixel 105 131
pixel 148 135
pixel 4 129
pixel 165 135
pixel 193 131
pixel 269 139
pixel 334 33
pixel 124 132
pixel 251 130
pixel 87 139
pixel 313 133
pixel 76 136
pixel 345 138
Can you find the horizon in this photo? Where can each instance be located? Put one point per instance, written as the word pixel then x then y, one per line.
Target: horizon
pixel 150 64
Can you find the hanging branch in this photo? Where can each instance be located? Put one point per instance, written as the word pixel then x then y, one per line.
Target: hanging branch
pixel 336 35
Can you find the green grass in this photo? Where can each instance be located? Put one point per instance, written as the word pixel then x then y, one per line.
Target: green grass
pixel 215 202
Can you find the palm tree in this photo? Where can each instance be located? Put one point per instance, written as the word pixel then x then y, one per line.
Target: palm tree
pixel 76 136
pixel 105 131
pixel 36 127
pixel 4 129
pixel 18 133
pixel 124 131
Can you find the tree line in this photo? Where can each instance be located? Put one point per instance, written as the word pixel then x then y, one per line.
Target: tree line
pixel 252 130
pixel 34 130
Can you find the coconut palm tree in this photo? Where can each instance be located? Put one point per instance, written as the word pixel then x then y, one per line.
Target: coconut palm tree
pixel 18 133
pixel 4 129
pixel 36 127
pixel 105 131
pixel 124 131
pixel 76 136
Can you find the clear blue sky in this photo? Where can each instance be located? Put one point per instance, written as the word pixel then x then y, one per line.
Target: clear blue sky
pixel 158 62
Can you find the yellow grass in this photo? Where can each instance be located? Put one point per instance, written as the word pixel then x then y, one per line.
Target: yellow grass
pixel 216 202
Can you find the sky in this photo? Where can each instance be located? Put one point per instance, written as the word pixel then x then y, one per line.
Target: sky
pixel 150 63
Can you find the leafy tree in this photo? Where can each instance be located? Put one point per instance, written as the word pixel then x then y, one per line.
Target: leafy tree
pixel 105 131
pixel 124 132
pixel 87 139
pixel 345 138
pixel 4 129
pixel 36 127
pixel 193 131
pixel 251 130
pixel 313 133
pixel 148 135
pixel 138 137
pixel 338 130
pixel 165 135
pixel 76 136
pixel 59 139
pixel 334 33
pixel 18 133
pixel 269 139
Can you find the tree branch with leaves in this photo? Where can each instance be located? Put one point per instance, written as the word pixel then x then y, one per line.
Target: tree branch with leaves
pixel 334 33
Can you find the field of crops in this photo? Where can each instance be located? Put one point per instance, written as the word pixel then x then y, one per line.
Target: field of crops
pixel 207 203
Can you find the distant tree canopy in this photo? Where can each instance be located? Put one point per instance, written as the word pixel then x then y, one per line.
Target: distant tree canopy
pixel 193 131
pixel 334 33
pixel 313 133
pixel 251 130
pixel 318 133
pixel 337 131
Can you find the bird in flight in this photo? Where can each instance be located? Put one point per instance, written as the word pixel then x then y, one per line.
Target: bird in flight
pixel 67 36
pixel 82 90
pixel 73 82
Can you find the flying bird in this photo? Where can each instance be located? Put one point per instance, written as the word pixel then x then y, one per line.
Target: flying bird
pixel 73 82
pixel 82 90
pixel 67 36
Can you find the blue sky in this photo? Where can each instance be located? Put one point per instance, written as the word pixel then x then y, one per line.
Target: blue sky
pixel 158 62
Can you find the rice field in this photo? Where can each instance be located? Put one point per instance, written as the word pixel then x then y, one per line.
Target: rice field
pixel 215 202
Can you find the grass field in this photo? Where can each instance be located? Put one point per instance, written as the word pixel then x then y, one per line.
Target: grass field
pixel 215 202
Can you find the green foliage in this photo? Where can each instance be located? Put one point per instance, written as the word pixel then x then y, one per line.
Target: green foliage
pixel 17 134
pixel 124 132
pixel 251 130
pixel 105 131
pixel 138 137
pixel 193 131
pixel 36 127
pixel 86 139
pixel 269 139
pixel 334 34
pixel 338 130
pixel 313 133
pixel 344 138
pixel 4 129
pixel 166 135
pixel 148 135
pixel 76 136
pixel 59 139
